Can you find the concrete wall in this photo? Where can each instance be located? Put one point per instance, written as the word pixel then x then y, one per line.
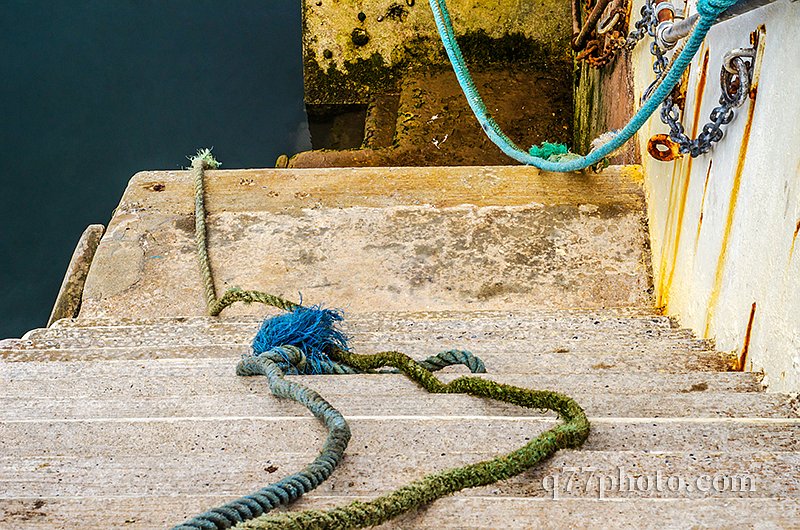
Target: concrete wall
pixel 724 226
pixel 401 34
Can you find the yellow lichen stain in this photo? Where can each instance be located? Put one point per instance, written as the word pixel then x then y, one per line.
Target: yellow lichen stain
pixel 634 173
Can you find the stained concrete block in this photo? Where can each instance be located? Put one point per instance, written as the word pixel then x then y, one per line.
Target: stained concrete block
pixel 347 60
pixel 68 301
pixel 389 239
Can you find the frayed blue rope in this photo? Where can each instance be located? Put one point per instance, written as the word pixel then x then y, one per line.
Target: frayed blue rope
pixel 313 330
pixel 298 342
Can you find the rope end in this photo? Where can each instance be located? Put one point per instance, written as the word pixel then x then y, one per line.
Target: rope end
pixel 311 330
pixel 206 159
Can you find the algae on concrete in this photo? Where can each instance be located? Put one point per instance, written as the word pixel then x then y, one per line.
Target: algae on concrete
pixel 354 49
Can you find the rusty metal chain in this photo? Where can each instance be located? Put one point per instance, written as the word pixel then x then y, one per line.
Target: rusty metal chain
pixel 644 26
pixel 735 76
pixel 603 33
pixel 735 88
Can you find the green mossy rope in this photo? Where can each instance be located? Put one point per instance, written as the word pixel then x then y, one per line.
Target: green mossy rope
pixel 200 162
pixel 570 434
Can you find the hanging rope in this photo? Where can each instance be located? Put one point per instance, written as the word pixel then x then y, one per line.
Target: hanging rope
pixel 708 10
pixel 306 340
pixel 200 162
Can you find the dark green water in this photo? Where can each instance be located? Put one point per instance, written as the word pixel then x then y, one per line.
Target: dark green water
pixel 94 91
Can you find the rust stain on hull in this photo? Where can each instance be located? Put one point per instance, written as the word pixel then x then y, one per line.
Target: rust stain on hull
pixel 687 174
pixel 746 346
pixel 701 87
pixel 662 298
pixel 702 206
pixel 794 239
pixel 758 40
pixel 726 235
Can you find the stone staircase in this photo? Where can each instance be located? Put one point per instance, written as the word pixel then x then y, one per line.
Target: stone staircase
pixel 131 415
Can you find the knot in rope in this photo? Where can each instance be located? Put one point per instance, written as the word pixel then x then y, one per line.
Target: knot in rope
pixel 310 330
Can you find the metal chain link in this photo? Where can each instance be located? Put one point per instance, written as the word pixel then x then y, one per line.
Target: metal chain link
pixel 644 26
pixel 735 88
pixel 735 76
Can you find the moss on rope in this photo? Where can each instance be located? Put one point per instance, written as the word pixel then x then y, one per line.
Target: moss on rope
pixel 571 433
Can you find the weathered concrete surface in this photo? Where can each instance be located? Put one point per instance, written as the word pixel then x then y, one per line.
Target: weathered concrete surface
pixel 394 239
pixel 724 226
pixel 597 344
pixel 68 301
pixel 154 441
pixel 161 428
pixel 212 389
pixel 432 124
pixel 191 376
pixel 503 360
pixel 455 512
pixel 396 36
pixel 199 468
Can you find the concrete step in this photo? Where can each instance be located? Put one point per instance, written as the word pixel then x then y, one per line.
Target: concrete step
pixel 107 437
pixel 601 405
pixel 237 470
pixel 497 361
pixel 479 323
pixel 118 393
pixel 523 333
pixel 635 317
pixel 154 378
pixel 522 341
pixel 391 238
pixel 454 512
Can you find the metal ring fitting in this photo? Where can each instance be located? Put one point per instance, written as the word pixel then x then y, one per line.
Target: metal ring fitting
pixel 670 151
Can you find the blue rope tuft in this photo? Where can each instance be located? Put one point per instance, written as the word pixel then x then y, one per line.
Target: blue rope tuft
pixel 312 330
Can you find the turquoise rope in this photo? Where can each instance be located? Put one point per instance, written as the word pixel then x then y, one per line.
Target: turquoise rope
pixel 708 10
pixel 274 364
